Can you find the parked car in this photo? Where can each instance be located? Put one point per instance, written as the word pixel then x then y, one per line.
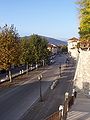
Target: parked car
pixel 52 61
pixel 2 71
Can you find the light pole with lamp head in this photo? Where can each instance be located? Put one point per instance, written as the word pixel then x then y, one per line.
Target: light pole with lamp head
pixel 39 78
pixel 60 69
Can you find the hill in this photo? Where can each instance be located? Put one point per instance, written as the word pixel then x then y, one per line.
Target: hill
pixel 56 41
pixel 53 40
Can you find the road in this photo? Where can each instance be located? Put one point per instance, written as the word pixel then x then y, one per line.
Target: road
pixel 15 101
pixel 53 98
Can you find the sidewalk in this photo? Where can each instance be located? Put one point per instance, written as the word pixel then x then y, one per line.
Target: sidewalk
pixel 81 108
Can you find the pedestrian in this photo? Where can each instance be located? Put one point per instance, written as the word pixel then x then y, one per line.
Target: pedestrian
pixel 75 94
pixel 67 61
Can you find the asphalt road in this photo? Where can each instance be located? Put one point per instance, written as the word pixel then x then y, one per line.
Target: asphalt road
pixel 53 98
pixel 15 101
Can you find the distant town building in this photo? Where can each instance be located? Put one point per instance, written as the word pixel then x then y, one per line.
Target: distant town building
pixel 72 43
pixel 72 46
pixel 53 48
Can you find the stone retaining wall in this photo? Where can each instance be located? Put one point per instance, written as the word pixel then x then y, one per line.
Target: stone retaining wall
pixel 82 77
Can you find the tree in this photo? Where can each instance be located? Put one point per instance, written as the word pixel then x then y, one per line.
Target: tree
pixel 44 51
pixel 39 47
pixel 64 48
pixel 27 56
pixel 84 29
pixel 9 48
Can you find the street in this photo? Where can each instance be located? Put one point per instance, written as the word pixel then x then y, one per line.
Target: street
pixel 15 101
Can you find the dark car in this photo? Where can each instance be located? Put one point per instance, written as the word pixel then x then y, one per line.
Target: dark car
pixel 2 71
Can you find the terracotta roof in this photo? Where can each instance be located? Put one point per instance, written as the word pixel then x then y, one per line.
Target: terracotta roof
pixel 73 39
pixel 52 45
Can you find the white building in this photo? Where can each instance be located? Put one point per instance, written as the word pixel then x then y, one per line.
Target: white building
pixel 72 46
pixel 53 48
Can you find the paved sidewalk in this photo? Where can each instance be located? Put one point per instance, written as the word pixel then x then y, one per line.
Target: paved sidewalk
pixel 81 108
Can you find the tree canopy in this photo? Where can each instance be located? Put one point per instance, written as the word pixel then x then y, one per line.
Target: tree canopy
pixel 26 55
pixel 9 47
pixel 84 29
pixel 15 50
pixel 38 46
pixel 33 49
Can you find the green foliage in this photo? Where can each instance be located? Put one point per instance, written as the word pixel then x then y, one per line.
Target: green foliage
pixel 38 46
pixel 78 45
pixel 9 47
pixel 14 51
pixel 26 55
pixel 33 49
pixel 64 48
pixel 84 29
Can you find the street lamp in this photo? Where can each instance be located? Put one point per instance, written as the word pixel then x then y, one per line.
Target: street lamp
pixel 61 112
pixel 66 95
pixel 60 69
pixel 43 62
pixel 39 78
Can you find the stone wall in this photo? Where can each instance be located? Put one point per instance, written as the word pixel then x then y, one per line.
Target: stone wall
pixel 82 75
pixel 73 52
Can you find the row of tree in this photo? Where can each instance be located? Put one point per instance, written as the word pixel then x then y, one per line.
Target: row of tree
pixel 84 29
pixel 34 50
pixel 15 50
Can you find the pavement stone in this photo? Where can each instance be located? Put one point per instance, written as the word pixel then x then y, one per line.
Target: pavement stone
pixel 81 108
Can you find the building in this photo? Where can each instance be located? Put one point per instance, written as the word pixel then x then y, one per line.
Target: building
pixel 72 46
pixel 53 48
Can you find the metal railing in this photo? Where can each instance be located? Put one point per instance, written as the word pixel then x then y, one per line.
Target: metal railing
pixel 54 116
pixel 62 114
pixel 16 74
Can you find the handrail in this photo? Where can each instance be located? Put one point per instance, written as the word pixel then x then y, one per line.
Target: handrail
pixel 54 116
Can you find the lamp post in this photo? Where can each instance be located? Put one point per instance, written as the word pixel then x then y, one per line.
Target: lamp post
pixel 39 78
pixel 66 95
pixel 66 105
pixel 60 69
pixel 61 112
pixel 43 62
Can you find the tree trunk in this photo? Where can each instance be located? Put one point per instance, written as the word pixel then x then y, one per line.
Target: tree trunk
pixel 10 76
pixel 36 66
pixel 27 68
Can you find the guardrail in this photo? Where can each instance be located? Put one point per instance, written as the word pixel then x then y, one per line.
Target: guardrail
pixel 17 74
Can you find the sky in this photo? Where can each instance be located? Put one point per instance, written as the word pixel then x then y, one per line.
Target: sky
pixel 52 18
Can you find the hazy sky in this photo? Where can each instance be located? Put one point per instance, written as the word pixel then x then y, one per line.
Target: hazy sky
pixel 53 18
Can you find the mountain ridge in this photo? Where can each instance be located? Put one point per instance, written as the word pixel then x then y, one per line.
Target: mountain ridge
pixel 52 40
pixel 55 41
